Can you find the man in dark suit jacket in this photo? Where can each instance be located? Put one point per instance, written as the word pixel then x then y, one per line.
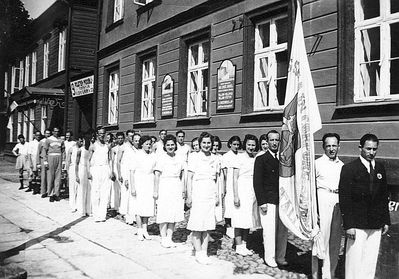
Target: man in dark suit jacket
pixel 266 186
pixel 363 199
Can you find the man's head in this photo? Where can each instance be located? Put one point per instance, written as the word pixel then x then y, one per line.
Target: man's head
pixel 38 135
pixel 47 133
pixel 68 136
pixel 56 132
pixel 101 134
pixel 120 138
pixel 368 146
pixel 273 140
pixel 129 136
pixel 331 145
pixel 162 134
pixel 180 136
pixel 136 140
pixel 21 138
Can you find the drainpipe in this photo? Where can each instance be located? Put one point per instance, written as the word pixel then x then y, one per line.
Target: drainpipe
pixel 67 71
pixel 95 91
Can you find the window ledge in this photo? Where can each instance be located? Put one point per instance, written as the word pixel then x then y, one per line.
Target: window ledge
pixel 259 116
pixel 148 6
pixel 194 120
pixel 109 127
pixel 113 25
pixel 369 109
pixel 145 124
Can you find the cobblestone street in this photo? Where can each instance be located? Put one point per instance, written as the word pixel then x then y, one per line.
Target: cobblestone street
pixel 49 241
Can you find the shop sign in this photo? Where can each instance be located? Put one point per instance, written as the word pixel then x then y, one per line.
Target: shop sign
pixel 167 96
pixel 83 86
pixel 226 86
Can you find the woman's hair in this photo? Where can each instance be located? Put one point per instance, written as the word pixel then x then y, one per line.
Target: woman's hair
pixel 217 139
pixel 21 136
pixel 205 135
pixel 234 138
pixel 87 139
pixel 142 140
pixel 262 137
pixel 167 138
pixel 250 137
pixel 192 142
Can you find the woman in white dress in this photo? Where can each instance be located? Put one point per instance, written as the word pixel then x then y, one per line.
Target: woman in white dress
pixel 83 200
pixel 142 186
pixel 229 159
pixel 263 145
pixel 70 166
pixel 245 214
pixel 202 196
pixel 169 190
pixel 217 145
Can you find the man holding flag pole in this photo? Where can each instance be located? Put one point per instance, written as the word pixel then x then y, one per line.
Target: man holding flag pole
pixel 301 119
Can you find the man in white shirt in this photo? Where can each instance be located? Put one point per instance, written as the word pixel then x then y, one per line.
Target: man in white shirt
pixel 328 170
pixel 33 148
pixel 158 146
pixel 21 150
pixel 182 149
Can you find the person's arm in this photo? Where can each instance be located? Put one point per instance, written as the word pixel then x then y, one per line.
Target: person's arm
pixel 156 184
pixel 190 176
pixel 260 171
pixel 385 201
pixel 132 183
pixel 68 158
pixel 46 147
pixel 39 150
pixel 118 163
pixel 91 151
pixel 15 150
pixel 77 165
pixel 345 200
pixel 236 172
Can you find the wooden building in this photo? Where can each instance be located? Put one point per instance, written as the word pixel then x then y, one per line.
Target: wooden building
pixel 158 64
pixel 63 49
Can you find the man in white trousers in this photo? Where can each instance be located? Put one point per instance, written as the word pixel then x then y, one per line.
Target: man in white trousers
pixel 328 170
pixel 266 186
pixel 363 199
pixel 100 173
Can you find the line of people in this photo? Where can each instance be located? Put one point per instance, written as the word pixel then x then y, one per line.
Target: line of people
pixel 140 176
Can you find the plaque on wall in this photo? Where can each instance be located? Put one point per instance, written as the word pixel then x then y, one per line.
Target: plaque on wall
pixel 167 96
pixel 225 95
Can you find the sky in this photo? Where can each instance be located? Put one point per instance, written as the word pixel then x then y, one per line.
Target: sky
pixel 36 7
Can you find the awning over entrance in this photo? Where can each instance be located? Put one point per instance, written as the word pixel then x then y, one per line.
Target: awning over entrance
pixel 30 92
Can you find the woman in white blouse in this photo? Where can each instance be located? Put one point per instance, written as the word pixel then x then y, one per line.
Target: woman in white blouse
pixel 202 196
pixel 169 190
pixel 142 186
pixel 245 214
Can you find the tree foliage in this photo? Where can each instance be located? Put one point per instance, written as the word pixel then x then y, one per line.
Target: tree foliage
pixel 15 30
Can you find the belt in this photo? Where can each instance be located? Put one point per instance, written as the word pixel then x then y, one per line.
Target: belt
pixel 54 154
pixel 329 190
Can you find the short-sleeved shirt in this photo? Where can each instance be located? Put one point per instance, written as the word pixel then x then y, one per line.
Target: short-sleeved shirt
pixel 229 159
pixel 144 163
pixel 183 151
pixel 245 164
pixel 169 166
pixel 33 147
pixel 203 167
pixel 23 149
pixel 328 172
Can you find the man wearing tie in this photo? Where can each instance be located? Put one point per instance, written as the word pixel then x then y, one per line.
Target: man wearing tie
pixel 363 199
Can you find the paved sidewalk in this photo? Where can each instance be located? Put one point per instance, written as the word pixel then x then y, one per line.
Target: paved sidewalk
pixel 49 241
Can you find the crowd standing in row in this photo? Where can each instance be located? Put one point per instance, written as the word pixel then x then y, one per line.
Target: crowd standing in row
pixel 141 176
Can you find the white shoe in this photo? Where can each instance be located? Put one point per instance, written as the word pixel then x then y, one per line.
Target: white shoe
pixel 171 243
pixel 230 232
pixel 242 250
pixel 165 243
pixel 140 235
pixel 146 235
pixel 202 258
pixel 271 263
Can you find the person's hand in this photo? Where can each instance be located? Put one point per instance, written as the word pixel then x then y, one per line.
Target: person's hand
pixel 112 176
pixel 351 234
pixel 46 165
pixel 263 209
pixel 223 194
pixel 78 179
pixel 184 195
pixel 385 229
pixel 188 201
pixel 217 201
pixel 236 201
pixel 126 184
pixel 89 176
pixel 155 195
pixel 120 179
pixel 133 191
pixel 38 166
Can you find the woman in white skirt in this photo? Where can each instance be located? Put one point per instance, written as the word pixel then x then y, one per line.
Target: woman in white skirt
pixel 70 166
pixel 169 190
pixel 202 196
pixel 245 214
pixel 83 200
pixel 142 186
pixel 229 160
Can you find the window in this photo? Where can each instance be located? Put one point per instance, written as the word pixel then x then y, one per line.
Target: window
pixel 148 89
pixel 113 98
pixel 10 127
pixel 5 84
pixel 17 77
pixel 271 63
pixel 31 121
pixel 198 78
pixel 61 50
pixel 45 59
pixel 34 63
pixel 376 50
pixel 26 124
pixel 27 69
pixel 118 10
pixel 43 122
pixel 19 125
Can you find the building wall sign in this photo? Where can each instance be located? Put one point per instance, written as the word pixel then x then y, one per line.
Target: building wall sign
pixel 167 96
pixel 225 95
pixel 83 86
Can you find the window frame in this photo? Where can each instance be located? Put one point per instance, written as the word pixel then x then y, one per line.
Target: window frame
pixel 112 89
pixel 11 131
pixel 27 71
pixel 31 121
pixel 62 49
pixel 149 81
pixel 43 118
pixel 5 84
pixel 34 67
pixel 46 54
pixel 118 4
pixel 25 124
pixel 19 122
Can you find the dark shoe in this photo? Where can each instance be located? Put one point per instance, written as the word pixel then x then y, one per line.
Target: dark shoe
pixel 282 263
pixel 44 196
pixel 51 199
pixel 35 192
pixel 56 198
pixel 21 187
pixel 29 190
